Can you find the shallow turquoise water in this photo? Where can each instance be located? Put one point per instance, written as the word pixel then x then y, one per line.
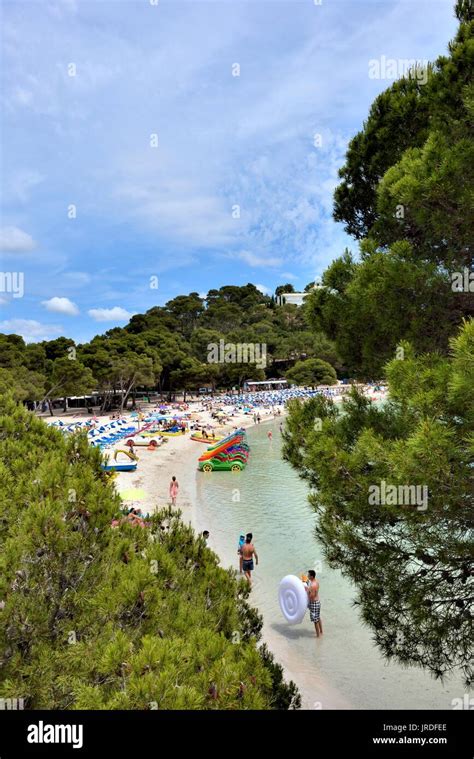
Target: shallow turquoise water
pixel 343 669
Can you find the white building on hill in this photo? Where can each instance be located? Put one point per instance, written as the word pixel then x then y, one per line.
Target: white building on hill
pixel 295 299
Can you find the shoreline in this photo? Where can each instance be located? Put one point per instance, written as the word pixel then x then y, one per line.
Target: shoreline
pixel 178 457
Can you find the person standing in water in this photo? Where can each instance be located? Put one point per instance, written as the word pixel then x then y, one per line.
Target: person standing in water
pixel 248 552
pixel 174 487
pixel 314 604
pixel 239 551
pixel 270 435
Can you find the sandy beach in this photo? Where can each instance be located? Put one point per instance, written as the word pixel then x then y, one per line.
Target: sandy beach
pixel 178 455
pixel 147 488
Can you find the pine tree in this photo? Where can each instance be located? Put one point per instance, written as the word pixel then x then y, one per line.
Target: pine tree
pixel 101 617
pixel 411 559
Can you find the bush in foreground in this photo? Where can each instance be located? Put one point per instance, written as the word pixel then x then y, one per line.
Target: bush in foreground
pixel 95 617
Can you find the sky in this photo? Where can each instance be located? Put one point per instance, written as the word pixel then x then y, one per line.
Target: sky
pixel 152 148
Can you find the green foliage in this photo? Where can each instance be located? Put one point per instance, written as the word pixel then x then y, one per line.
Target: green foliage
pixel 167 349
pixel 70 376
pixel 387 298
pixel 412 566
pixel 114 618
pixel 401 120
pixel 407 194
pixel 282 289
pixel 427 197
pixel 22 382
pixel 312 372
pixel 398 120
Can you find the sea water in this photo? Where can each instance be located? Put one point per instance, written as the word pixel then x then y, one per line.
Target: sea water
pixel 343 669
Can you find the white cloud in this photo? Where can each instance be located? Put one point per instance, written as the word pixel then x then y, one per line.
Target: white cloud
pixel 264 289
pixel 252 259
pixel 30 330
pixel 182 211
pixel 61 306
pixel 14 240
pixel 223 141
pixel 23 182
pixel 115 314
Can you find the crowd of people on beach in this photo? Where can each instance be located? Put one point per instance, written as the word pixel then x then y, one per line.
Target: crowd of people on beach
pixel 267 398
pixel 258 406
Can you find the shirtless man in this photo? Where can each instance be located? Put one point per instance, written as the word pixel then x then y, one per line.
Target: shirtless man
pixel 314 604
pixel 248 552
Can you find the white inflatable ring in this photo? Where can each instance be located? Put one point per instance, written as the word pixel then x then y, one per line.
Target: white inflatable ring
pixel 293 599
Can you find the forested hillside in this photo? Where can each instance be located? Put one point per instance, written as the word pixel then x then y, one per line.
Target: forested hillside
pixel 167 348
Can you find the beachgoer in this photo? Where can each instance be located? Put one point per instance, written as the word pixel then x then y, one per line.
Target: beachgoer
pixel 205 535
pixel 314 604
pixel 239 551
pixel 270 435
pixel 258 418
pixel 248 553
pixel 174 487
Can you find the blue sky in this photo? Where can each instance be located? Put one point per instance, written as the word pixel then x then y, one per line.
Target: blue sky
pixel 236 189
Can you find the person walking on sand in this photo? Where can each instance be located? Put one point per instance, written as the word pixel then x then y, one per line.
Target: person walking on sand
pixel 248 552
pixel 314 604
pixel 174 487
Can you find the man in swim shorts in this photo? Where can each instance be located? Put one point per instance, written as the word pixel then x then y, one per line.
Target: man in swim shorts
pixel 314 604
pixel 248 552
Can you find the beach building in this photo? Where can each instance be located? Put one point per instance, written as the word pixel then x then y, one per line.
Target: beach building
pixel 295 299
pixel 269 384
